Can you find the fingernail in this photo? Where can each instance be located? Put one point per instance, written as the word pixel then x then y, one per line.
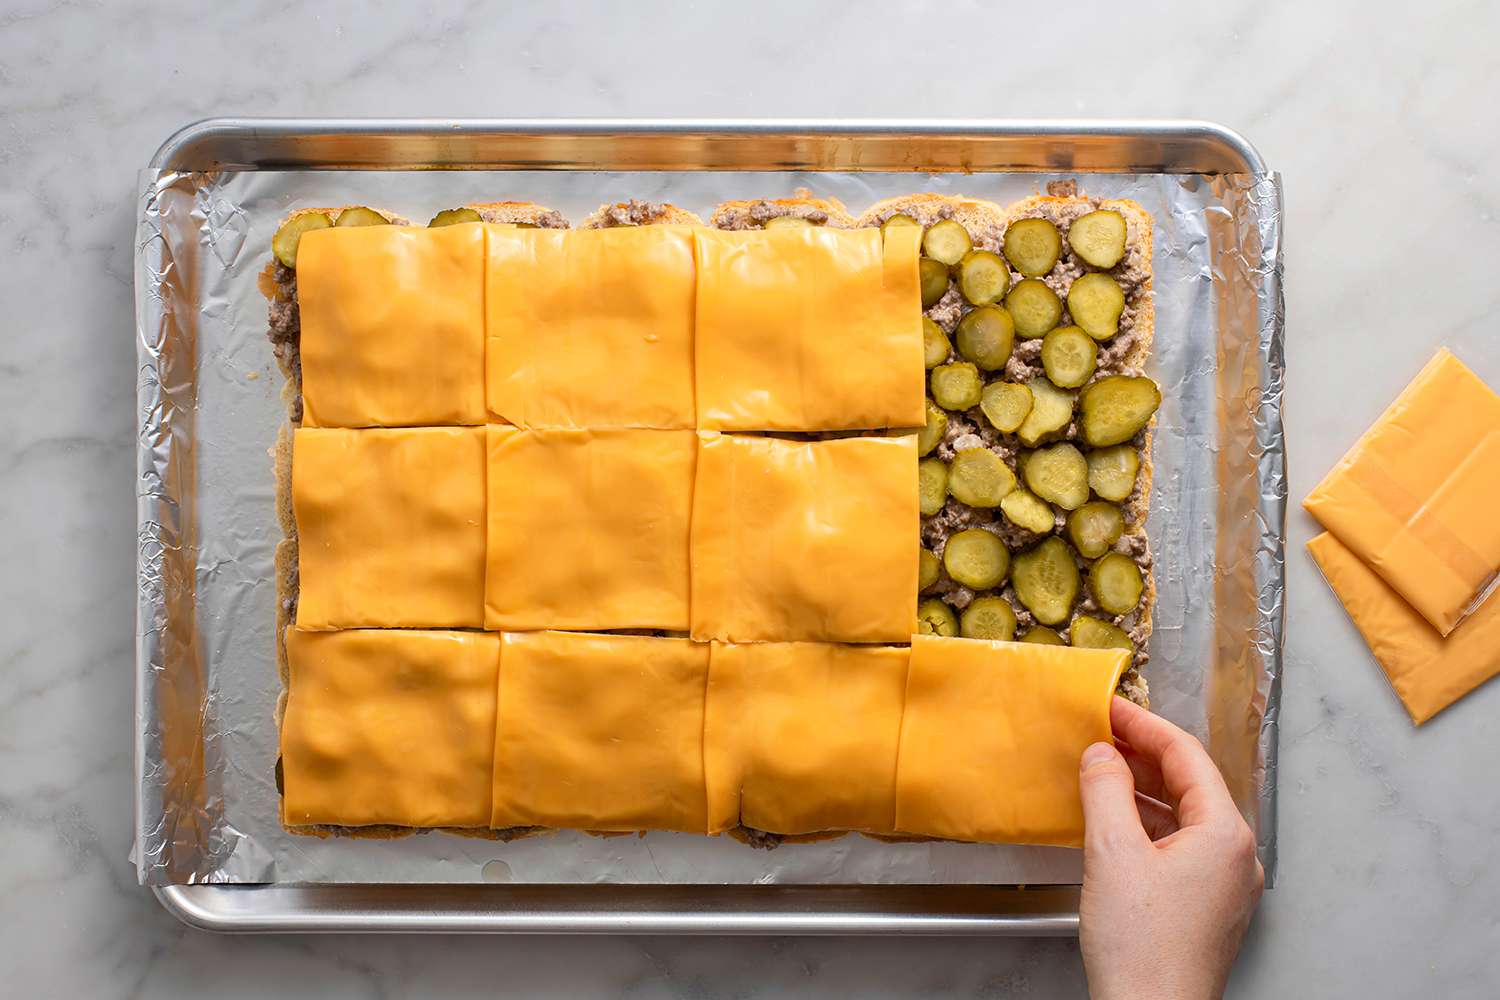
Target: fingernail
pixel 1097 753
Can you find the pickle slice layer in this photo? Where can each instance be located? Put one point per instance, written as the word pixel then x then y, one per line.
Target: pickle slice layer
pixel 946 242
pixel 932 485
pixel 1046 580
pixel 1116 583
pixel 1069 356
pixel 933 277
pixel 931 434
pixel 454 216
pixel 1114 409
pixel 1094 527
pixel 934 617
pixel 1027 510
pixel 988 618
pixel 897 220
pixel 1006 404
pixel 284 243
pixel 1051 412
pixel 1088 632
pixel 1034 307
pixel 979 478
pixel 1095 302
pixel 956 386
pixel 985 336
pixel 1042 635
pixel 1058 473
pixel 1112 471
pixel 935 345
pixel 359 215
pixel 976 558
pixel 982 277
pixel 1032 246
pixel 928 566
pixel 1099 238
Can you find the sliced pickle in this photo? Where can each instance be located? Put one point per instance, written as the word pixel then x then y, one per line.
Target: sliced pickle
pixel 787 222
pixel 946 242
pixel 1032 246
pixel 988 618
pixel 284 243
pixel 1088 632
pixel 1114 409
pixel 454 216
pixel 956 386
pixel 935 345
pixel 1094 527
pixel 934 617
pixel 1046 580
pixel 932 432
pixel 983 277
pixel 1042 635
pixel 1059 474
pixel 985 336
pixel 1006 405
pixel 1051 412
pixel 932 485
pixel 899 219
pixel 1034 307
pixel 928 567
pixel 979 478
pixel 358 215
pixel 1069 356
pixel 976 558
pixel 1116 583
pixel 1112 471
pixel 1099 238
pixel 1095 302
pixel 934 279
pixel 1027 510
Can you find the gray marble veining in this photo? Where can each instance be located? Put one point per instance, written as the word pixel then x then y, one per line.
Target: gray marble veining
pixel 1380 117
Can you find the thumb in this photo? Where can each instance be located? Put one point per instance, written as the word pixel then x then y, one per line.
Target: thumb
pixel 1110 819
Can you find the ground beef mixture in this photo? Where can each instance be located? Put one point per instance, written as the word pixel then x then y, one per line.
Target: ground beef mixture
pixel 755 214
pixel 634 213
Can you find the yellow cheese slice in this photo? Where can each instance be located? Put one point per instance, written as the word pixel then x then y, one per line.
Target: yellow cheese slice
pixel 591 327
pixel 588 529
pixel 388 726
pixel 600 732
pixel 804 540
pixel 801 737
pixel 392 326
pixel 1427 671
pixel 992 735
pixel 809 329
pixel 390 527
pixel 1415 497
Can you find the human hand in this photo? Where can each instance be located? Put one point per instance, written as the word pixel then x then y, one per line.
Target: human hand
pixel 1170 873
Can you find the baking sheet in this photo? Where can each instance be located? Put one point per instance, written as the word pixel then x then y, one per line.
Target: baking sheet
pixel 209 389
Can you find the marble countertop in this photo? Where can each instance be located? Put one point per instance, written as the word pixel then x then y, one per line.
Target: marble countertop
pixel 1380 120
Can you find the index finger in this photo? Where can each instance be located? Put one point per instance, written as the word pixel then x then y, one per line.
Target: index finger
pixel 1188 774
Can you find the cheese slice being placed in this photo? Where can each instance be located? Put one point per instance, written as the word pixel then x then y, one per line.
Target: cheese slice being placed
pixel 390 527
pixel 804 540
pixel 591 327
pixel 387 726
pixel 808 329
pixel 1427 671
pixel 588 529
pixel 992 735
pixel 801 737
pixel 600 732
pixel 392 326
pixel 1415 497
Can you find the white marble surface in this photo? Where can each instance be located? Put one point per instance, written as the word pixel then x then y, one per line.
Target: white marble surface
pixel 1381 118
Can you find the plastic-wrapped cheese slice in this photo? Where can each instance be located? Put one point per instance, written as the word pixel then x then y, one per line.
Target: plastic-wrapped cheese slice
pixel 590 327
pixel 385 726
pixel 1415 497
pixel 390 527
pixel 600 732
pixel 809 328
pixel 992 734
pixel 804 540
pixel 392 326
pixel 588 529
pixel 801 737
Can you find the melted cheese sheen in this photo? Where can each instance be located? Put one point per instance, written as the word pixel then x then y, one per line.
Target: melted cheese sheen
pixel 796 540
pixel 588 529
pixel 1427 671
pixel 992 735
pixel 392 326
pixel 600 732
pixel 390 527
pixel 1415 497
pixel 809 329
pixel 388 726
pixel 801 737
pixel 591 327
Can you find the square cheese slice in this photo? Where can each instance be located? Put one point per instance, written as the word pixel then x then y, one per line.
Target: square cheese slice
pixel 591 327
pixel 600 732
pixel 392 326
pixel 389 727
pixel 801 737
pixel 809 329
pixel 1415 497
pixel 390 527
pixel 588 529
pixel 1429 672
pixel 992 735
pixel 804 540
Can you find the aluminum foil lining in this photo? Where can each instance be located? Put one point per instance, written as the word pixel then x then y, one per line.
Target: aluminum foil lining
pixel 209 409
